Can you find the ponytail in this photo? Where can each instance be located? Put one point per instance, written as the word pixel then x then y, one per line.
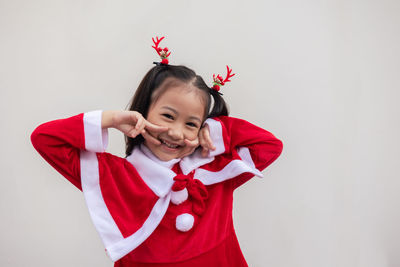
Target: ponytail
pixel 220 108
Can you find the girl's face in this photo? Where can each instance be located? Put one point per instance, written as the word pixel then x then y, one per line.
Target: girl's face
pixel 181 108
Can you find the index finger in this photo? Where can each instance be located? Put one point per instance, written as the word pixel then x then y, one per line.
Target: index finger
pixel 155 128
pixel 193 143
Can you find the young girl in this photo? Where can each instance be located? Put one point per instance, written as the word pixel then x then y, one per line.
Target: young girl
pixel 169 201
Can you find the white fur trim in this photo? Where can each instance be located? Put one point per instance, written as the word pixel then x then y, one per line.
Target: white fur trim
pixel 245 155
pixel 216 136
pixel 184 222
pixel 99 213
pixel 116 245
pixel 233 169
pixel 159 178
pixel 96 138
pixel 177 197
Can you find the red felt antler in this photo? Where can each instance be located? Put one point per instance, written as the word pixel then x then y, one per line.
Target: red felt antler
pixel 162 52
pixel 228 75
pixel 219 81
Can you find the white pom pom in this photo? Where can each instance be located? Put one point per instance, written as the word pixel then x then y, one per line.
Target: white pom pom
pixel 184 222
pixel 177 197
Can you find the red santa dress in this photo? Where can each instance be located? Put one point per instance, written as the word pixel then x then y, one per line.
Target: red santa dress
pixel 160 213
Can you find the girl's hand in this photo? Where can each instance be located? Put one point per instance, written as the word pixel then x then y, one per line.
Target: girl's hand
pixel 191 146
pixel 205 141
pixel 132 123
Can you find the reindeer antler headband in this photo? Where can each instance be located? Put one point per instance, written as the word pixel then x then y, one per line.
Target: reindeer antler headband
pixel 164 54
pixel 219 81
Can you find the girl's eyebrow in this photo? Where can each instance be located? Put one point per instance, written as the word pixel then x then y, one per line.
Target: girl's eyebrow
pixel 169 108
pixel 176 112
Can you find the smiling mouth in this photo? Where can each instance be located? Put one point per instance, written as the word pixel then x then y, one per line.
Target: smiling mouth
pixel 170 145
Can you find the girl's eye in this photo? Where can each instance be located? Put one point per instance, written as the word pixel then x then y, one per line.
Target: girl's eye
pixel 191 124
pixel 168 116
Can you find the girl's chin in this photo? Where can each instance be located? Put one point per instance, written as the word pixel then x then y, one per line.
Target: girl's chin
pixel 166 155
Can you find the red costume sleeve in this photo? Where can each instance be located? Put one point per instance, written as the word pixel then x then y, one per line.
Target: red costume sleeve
pixel 59 143
pixel 263 146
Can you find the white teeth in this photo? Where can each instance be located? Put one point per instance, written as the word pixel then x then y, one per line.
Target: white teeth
pixel 169 145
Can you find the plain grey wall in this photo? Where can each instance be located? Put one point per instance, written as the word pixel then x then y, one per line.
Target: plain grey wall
pixel 323 76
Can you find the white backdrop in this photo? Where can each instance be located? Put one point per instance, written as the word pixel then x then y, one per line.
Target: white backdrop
pixel 323 76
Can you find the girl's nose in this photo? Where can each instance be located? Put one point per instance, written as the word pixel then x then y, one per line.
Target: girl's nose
pixel 175 133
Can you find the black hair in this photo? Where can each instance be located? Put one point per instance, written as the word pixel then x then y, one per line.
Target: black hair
pixel 149 90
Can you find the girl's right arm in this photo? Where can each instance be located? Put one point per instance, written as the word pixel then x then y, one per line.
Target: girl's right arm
pixel 59 141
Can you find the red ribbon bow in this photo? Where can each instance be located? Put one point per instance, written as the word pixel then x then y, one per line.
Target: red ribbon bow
pixel 196 189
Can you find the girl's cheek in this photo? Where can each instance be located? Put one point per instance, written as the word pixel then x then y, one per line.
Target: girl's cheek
pixel 193 135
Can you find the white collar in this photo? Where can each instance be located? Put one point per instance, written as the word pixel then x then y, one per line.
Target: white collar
pixel 157 174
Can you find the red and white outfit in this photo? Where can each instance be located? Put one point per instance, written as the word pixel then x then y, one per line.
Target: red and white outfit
pixel 160 213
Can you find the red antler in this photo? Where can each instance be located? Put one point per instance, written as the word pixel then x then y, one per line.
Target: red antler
pixel 228 75
pixel 156 43
pixel 219 81
pixel 162 52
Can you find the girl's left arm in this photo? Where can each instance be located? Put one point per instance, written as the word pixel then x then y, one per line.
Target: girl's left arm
pixel 264 148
